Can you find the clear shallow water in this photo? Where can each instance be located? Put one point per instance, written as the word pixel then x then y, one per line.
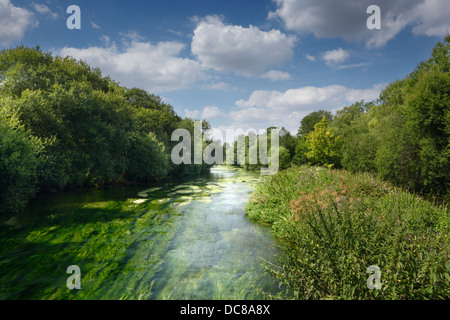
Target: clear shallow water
pixel 187 240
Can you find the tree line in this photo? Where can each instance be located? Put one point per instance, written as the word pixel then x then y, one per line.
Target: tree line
pixel 402 137
pixel 63 124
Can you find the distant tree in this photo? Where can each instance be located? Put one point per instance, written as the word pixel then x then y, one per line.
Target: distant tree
pixel 307 123
pixel 284 158
pixel 301 149
pixel 288 141
pixel 358 147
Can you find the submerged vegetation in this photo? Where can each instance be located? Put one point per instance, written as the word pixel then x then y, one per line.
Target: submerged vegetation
pixel 62 124
pixel 334 225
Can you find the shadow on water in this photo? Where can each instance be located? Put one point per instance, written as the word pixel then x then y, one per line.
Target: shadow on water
pixel 185 240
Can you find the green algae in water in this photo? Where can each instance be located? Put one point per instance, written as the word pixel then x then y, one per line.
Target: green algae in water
pixel 195 245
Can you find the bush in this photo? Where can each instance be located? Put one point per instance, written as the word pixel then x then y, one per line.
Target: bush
pixel 334 225
pixel 147 159
pixel 19 164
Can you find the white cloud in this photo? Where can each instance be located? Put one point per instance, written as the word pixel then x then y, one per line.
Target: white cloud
pixel 208 112
pixel 336 56
pixel 246 51
pixel 307 98
pixel 347 18
pixel 222 86
pixel 276 75
pixel 211 112
pixel 156 68
pixel 14 22
pixel 43 9
pixel 310 58
pixel 434 18
pixel 193 114
pixel 105 40
pixel 355 65
pixel 286 109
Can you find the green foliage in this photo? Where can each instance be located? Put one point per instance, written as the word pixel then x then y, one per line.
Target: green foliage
pixel 259 147
pixel 334 225
pixel 413 128
pixel 147 159
pixel 85 128
pixel 322 145
pixel 300 152
pixel 191 169
pixel 284 158
pixel 307 123
pixel 288 141
pixel 359 144
pixel 404 137
pixel 19 163
pixel 30 68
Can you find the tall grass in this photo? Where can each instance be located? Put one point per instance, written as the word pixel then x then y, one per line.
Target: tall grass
pixel 334 225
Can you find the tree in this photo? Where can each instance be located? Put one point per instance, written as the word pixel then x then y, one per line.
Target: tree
pixel 359 145
pixel 301 149
pixel 284 158
pixel 147 159
pixel 74 127
pixel 288 141
pixel 322 145
pixel 413 126
pixel 307 123
pixel 19 163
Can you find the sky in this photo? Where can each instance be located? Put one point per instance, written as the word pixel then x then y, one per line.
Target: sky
pixel 246 64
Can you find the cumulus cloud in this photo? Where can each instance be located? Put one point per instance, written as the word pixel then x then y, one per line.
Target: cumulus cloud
pixel 434 18
pixel 286 109
pixel 276 75
pixel 211 112
pixel 193 114
pixel 309 97
pixel 336 56
pixel 265 108
pixel 347 18
pixel 246 51
pixel 156 68
pixel 14 22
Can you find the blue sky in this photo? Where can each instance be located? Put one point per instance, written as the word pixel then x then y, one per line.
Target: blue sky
pixel 239 64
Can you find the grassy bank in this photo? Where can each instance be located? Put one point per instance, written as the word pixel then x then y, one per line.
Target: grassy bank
pixel 333 225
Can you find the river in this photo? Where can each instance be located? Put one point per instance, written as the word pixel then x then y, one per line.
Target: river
pixel 168 240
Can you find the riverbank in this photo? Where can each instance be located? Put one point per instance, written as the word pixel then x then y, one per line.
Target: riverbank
pixel 335 225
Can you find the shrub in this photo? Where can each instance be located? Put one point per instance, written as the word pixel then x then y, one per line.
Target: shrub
pixel 19 164
pixel 334 225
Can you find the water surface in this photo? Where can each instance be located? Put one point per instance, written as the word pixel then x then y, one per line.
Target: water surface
pixel 170 240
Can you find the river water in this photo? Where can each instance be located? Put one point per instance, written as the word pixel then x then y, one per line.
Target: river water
pixel 170 240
